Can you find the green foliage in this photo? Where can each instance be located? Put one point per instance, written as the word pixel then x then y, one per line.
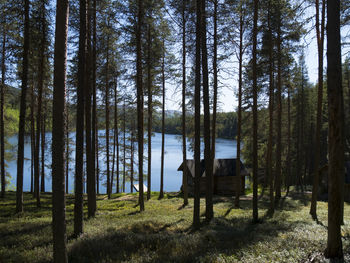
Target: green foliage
pixel 162 233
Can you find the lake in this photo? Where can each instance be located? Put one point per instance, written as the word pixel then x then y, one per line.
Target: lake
pixel 172 160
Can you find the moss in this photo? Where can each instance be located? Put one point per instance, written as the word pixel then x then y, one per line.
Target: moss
pixel 163 233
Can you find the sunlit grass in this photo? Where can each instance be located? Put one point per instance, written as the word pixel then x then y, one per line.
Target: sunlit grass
pixel 163 233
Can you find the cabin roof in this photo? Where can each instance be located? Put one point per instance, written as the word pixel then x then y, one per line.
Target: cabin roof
pixel 222 167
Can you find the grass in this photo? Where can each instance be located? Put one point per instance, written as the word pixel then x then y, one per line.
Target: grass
pixel 163 233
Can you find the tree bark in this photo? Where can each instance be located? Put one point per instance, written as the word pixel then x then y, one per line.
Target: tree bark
pixel 58 135
pixel 161 192
pixel 139 100
pixel 79 149
pixel 320 46
pixel 43 145
pixel 184 147
pixel 90 171
pixel 149 115
pixel 278 172
pixel 208 156
pixel 2 102
pixel 197 97
pixel 22 116
pixel 336 131
pixel 239 113
pixel 255 115
pixel 107 119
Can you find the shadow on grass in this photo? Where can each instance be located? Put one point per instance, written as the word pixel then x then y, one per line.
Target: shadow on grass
pixel 157 242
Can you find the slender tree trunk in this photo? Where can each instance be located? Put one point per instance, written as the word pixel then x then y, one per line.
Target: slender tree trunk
pixel 149 115
pixel 132 157
pixel 184 148
pixel 215 76
pixel 289 179
pixel 239 113
pixel 124 145
pixel 139 100
pixel 197 97
pixel 278 171
pixel 79 148
pixel 22 115
pixel 33 176
pixel 40 95
pixel 58 135
pixel 107 119
pixel 320 46
pixel 43 145
pixel 255 116
pixel 117 139
pixel 161 192
pixel 67 148
pixel 271 106
pixel 335 132
pixel 94 135
pixel 115 131
pixel 2 102
pixel 208 156
pixel 90 171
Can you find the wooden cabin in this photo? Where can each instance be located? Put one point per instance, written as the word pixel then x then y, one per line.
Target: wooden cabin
pixel 224 172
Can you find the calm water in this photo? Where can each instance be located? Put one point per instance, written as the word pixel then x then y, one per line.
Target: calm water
pixel 172 160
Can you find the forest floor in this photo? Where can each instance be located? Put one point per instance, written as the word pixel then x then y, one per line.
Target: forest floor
pixel 163 233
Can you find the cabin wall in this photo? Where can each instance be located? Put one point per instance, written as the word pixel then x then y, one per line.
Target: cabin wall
pixel 223 185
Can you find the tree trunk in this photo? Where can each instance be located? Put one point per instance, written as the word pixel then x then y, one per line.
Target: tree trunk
pixel 271 106
pixel 43 145
pixel 79 149
pixel 33 176
pixel 239 113
pixel 215 80
pixel 278 172
pixel 90 171
pixel 161 192
pixel 58 135
pixel 255 116
pixel 67 148
pixel 336 131
pixel 115 131
pixel 139 100
pixel 208 156
pixel 94 134
pixel 149 115
pixel 41 71
pixel 132 157
pixel 107 119
pixel 184 148
pixel 197 97
pixel 22 115
pixel 2 103
pixel 320 46
pixel 124 146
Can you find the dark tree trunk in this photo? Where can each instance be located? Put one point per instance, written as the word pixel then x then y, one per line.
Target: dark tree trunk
pixel 2 103
pixel 197 103
pixel 90 171
pixel 149 115
pixel 208 156
pixel 22 115
pixel 132 157
pixel 239 117
pixel 161 192
pixel 139 100
pixel 33 176
pixel 67 148
pixel 124 146
pixel 335 132
pixel 184 148
pixel 215 76
pixel 40 94
pixel 79 149
pixel 94 134
pixel 271 106
pixel 115 132
pixel 43 145
pixel 320 46
pixel 58 135
pixel 278 172
pixel 288 161
pixel 107 119
pixel 255 115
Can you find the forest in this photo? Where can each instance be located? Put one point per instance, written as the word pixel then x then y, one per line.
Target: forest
pixel 92 91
